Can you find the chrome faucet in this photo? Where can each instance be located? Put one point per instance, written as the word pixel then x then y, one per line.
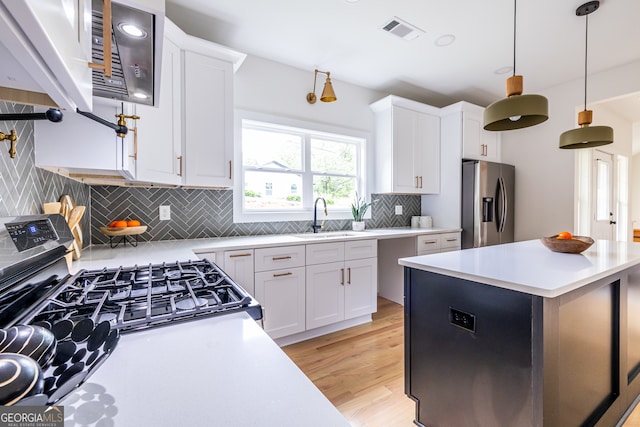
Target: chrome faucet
pixel 315 225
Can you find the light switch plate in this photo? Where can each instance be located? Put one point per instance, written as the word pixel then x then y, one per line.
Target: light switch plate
pixel 399 210
pixel 164 212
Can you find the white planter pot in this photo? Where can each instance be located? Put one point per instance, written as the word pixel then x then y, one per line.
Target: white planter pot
pixel 357 225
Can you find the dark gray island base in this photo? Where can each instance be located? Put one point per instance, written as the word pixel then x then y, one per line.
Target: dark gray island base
pixel 481 354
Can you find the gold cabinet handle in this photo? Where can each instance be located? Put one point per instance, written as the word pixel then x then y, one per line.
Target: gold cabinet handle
pixel 239 255
pixel 349 276
pixel 430 242
pixel 280 258
pixel 416 182
pixel 230 168
pixel 420 182
pixel 342 276
pixel 180 158
pixel 452 240
pixel 282 274
pixel 135 144
pixel 106 40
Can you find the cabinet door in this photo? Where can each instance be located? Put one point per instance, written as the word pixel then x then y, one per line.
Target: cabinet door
pixel 282 296
pixel 159 132
pixel 208 121
pixel 416 151
pixel 428 152
pixel 477 143
pixel 239 266
pixel 325 294
pixel 361 284
pixel 84 146
pixel 407 154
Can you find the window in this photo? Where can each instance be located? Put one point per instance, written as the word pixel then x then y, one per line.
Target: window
pixel 286 165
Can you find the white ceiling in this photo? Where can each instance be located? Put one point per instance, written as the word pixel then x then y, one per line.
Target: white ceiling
pixel 345 38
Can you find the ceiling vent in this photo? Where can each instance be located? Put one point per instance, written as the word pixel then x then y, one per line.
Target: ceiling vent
pixel 402 29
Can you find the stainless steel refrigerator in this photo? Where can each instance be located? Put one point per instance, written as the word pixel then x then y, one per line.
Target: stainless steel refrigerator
pixel 487 203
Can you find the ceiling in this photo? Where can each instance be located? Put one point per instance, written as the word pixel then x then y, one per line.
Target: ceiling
pixel 345 38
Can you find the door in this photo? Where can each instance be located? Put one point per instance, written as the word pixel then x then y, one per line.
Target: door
pixel 407 154
pixel 361 283
pixel 603 220
pixel 282 296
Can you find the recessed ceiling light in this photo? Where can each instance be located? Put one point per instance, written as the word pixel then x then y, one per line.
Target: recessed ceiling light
pixel 445 40
pixel 352 1
pixel 504 70
pixel 140 95
pixel 132 30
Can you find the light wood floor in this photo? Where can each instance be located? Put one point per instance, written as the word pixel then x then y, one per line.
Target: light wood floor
pixel 361 370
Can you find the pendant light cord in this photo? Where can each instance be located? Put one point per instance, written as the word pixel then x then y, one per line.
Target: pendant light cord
pixel 586 50
pixel 514 37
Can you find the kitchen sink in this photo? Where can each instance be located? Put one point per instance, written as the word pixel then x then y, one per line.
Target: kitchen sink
pixel 327 235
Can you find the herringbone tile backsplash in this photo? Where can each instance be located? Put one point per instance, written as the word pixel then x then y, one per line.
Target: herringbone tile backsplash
pixel 199 213
pixel 23 187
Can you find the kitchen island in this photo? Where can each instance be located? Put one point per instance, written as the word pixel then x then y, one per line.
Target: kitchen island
pixel 517 335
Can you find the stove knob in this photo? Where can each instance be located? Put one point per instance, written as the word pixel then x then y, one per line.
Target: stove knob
pixel 20 377
pixel 34 341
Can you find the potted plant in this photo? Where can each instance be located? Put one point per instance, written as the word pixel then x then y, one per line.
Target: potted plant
pixel 358 208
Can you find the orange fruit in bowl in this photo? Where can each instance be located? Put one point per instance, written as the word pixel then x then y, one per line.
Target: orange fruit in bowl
pixel 118 223
pixel 565 235
pixel 133 223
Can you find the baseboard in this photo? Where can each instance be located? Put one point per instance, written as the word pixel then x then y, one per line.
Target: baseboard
pixel 313 333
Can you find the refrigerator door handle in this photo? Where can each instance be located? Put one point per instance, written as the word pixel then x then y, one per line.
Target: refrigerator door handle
pixel 502 216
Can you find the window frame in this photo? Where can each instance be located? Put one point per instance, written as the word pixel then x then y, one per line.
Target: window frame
pixel 311 130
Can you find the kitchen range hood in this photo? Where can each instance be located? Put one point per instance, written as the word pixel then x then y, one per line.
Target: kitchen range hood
pixel 135 58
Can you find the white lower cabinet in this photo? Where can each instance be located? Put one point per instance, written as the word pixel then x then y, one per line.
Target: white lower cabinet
pixel 239 266
pixel 341 281
pixel 280 289
pixel 282 295
pixel 434 243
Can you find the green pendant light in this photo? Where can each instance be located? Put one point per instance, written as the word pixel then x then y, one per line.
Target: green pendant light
pixel 516 111
pixel 586 136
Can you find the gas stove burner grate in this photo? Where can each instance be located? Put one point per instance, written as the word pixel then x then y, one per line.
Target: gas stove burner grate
pixel 139 297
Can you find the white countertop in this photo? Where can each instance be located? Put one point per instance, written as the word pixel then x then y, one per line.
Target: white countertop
pixel 99 256
pixel 218 371
pixel 221 371
pixel 530 267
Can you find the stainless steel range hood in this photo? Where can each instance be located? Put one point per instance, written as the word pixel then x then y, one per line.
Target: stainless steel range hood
pixel 135 60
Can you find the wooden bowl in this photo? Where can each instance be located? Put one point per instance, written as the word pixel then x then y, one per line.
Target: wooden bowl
pixel 568 246
pixel 123 231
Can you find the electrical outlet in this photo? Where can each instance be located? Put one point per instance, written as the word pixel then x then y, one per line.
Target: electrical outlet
pixel 399 210
pixel 164 212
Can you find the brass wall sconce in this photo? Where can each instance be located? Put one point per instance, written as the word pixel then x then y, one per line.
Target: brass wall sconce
pixel 12 137
pixel 328 95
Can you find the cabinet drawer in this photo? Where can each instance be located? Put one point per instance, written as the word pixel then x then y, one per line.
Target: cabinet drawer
pixel 276 258
pixel 359 249
pixel 322 253
pixel 449 240
pixel 428 242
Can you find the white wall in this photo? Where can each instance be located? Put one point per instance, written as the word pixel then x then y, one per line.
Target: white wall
pixel 635 193
pixel 270 87
pixel 544 173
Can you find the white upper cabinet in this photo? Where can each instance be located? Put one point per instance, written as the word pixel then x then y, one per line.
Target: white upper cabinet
pixel 159 152
pixel 208 120
pixel 84 148
pixel 188 139
pixel 46 48
pixel 407 146
pixel 477 143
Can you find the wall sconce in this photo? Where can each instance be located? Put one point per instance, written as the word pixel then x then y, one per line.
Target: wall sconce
pixel 328 95
pixel 12 137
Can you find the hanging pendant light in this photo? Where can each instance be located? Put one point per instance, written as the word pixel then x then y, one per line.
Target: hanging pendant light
pixel 586 136
pixel 516 111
